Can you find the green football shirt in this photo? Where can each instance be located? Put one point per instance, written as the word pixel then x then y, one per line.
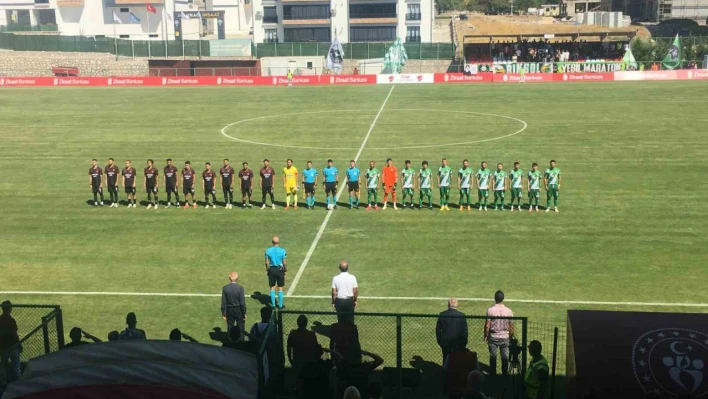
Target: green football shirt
pixel 408 176
pixel 444 172
pixel 465 177
pixel 425 175
pixel 499 179
pixel 534 180
pixel 552 175
pixel 483 179
pixel 372 178
pixel 516 175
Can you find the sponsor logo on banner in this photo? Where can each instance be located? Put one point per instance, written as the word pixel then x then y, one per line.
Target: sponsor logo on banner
pixel 405 78
pixel 462 78
pixel 275 80
pixel 646 75
pixel 110 81
pixel 182 81
pixel 515 67
pixel 218 81
pixel 528 78
pixel 241 81
pixel 2 81
pixel 72 81
pixel 138 81
pixel 164 81
pixel 297 80
pixel 599 67
pixel 692 74
pixel 352 79
pixel 583 77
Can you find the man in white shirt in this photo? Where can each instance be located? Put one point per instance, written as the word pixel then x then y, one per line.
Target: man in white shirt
pixel 345 293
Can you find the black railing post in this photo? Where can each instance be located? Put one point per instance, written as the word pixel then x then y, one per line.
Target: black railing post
pixel 524 343
pixel 5 366
pixel 45 334
pixel 553 365
pixel 60 328
pixel 399 357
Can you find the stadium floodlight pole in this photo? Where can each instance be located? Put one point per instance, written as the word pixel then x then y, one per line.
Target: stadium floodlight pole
pixel 199 34
pixel 115 36
pixel 147 16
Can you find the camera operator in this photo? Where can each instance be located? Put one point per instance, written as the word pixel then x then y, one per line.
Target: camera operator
pixel 497 333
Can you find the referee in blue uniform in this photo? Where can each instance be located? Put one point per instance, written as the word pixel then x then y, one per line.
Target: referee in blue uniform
pixel 276 264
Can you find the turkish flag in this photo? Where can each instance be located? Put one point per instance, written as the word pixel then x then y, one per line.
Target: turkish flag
pixel 150 8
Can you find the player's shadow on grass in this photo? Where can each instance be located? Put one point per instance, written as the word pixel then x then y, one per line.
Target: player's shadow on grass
pixel 264 299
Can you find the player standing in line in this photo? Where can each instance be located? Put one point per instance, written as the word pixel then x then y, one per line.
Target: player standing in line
pixel 150 183
pixel 111 171
pixel 444 175
pixel 534 186
pixel 425 185
pixel 96 182
pixel 500 186
pixel 372 186
pixel 353 176
pixel 245 179
pixel 552 181
pixel 208 177
pixel 390 183
pixel 290 78
pixel 483 176
pixel 464 184
pixel 188 175
pixel 517 185
pixel 265 182
pixel 309 181
pixel 331 181
pixel 128 174
pixel 290 184
pixel 408 176
pixel 169 179
pixel 227 184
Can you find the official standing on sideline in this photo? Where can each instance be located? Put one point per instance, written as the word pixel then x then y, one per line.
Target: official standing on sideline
pixel 497 333
pixel 451 330
pixel 276 264
pixel 345 293
pixel 233 304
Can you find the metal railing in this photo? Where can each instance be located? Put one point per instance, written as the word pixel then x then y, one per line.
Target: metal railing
pixel 361 15
pixel 41 329
pixel 414 16
pixel 355 51
pixel 407 344
pixel 12 27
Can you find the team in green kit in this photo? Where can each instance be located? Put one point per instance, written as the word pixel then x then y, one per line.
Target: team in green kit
pixel 412 179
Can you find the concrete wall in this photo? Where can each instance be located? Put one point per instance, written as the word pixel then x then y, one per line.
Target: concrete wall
pixel 28 63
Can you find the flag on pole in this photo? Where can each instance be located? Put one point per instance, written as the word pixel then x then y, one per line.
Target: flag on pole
pixel 673 58
pixel 628 61
pixel 150 8
pixel 335 56
pixel 134 19
pixel 184 16
pixel 116 18
pixel 167 15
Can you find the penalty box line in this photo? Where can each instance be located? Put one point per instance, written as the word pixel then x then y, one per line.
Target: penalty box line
pixel 384 298
pixel 305 261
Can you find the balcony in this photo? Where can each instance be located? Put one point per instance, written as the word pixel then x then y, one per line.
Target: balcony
pixel 413 16
pixel 373 19
pixel 270 19
pixel 302 22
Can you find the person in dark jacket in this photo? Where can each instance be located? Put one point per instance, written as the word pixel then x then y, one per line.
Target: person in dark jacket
pixel 451 329
pixel 233 304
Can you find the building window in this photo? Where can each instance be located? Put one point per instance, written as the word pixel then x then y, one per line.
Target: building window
pixel 306 12
pixel 307 35
pixel 270 15
pixel 41 1
pixel 372 34
pixel 125 10
pixel 413 12
pixel 413 35
pixel 153 35
pixel 271 36
pixel 124 36
pixel 372 10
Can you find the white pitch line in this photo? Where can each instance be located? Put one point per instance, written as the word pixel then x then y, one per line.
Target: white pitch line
pixel 398 298
pixel 305 261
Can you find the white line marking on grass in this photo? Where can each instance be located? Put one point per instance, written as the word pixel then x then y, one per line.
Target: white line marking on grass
pixel 305 261
pixel 384 298
pixel 225 128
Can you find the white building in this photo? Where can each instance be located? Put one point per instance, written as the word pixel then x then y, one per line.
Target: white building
pixel 348 20
pixel 96 17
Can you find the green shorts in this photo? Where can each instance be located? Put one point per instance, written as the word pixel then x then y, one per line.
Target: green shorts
pixel 534 193
pixel 425 191
pixel 445 190
pixel 408 191
pixel 372 190
pixel 483 192
pixel 516 193
pixel 464 191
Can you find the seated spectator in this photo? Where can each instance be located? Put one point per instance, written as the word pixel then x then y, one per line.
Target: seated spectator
pixel 301 344
pixel 113 336
pixel 75 336
pixel 131 332
pixel 8 339
pixel 177 335
pixel 313 378
pixel 457 368
pixel 474 384
pixel 235 342
pixel 375 390
pixel 351 393
pixel 355 372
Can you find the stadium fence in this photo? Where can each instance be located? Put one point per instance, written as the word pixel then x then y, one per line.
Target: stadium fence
pixel 407 343
pixel 43 329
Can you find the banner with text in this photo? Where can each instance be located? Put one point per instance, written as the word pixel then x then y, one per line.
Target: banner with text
pixel 515 67
pixel 597 67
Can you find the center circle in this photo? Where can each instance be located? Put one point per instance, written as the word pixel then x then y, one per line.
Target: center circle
pixel 338 122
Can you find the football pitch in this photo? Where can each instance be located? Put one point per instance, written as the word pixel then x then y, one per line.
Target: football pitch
pixel 630 234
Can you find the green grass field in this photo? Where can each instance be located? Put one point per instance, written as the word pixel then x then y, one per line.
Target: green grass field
pixel 632 226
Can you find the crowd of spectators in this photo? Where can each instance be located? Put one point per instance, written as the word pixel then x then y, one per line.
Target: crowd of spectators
pixel 546 51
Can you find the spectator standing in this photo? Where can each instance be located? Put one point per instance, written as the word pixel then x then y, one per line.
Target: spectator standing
pixel 497 333
pixel 345 293
pixel 301 345
pixel 75 335
pixel 451 330
pixel 536 378
pixel 131 332
pixel 233 304
pixel 8 338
